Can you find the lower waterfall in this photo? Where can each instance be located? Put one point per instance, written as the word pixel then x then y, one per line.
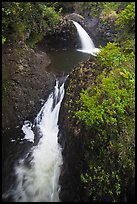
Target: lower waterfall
pixel 38 174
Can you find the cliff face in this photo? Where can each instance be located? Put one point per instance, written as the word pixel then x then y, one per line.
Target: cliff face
pixel 25 81
pixel 63 37
pixel 74 136
pixel 84 150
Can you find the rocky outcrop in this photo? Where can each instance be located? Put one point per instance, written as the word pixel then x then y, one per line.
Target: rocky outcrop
pixel 63 37
pixel 26 84
pixel 25 81
pixel 101 32
pixel 75 17
pixel 73 159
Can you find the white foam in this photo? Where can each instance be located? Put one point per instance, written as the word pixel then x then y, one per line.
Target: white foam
pixel 29 134
pixel 86 42
pixel 38 181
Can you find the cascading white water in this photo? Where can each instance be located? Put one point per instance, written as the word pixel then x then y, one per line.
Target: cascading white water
pixel 86 42
pixel 37 180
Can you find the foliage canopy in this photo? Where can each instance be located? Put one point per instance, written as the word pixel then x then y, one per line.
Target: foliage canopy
pixel 18 18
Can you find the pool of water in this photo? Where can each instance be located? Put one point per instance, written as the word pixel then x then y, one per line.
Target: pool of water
pixel 63 61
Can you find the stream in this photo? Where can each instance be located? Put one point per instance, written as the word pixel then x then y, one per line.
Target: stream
pixel 33 175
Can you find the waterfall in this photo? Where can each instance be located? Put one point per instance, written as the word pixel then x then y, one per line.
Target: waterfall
pixel 38 173
pixel 86 42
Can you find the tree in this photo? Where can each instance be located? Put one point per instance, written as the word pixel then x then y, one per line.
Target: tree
pixel 21 17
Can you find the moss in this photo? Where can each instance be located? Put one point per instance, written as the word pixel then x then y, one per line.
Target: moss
pixel 5 88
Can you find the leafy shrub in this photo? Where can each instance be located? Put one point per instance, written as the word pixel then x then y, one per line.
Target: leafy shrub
pixel 21 17
pixel 3 40
pixel 100 184
pixel 107 108
pixel 126 18
pixel 111 98
pixel 125 23
pixel 113 92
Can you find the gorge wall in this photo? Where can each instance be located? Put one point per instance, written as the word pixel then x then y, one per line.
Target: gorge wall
pixel 74 136
pixel 26 82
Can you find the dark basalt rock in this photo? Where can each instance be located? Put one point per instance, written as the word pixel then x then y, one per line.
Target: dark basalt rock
pixel 25 81
pixel 75 17
pixel 63 37
pixel 71 187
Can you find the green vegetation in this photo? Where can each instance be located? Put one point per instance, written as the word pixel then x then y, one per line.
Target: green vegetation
pixel 126 18
pixel 3 40
pixel 106 104
pixel 113 89
pixel 126 22
pixel 103 182
pixel 107 108
pixel 20 18
pixel 98 9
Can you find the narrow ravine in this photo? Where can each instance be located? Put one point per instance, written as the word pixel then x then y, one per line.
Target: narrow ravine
pixel 68 102
pixel 37 173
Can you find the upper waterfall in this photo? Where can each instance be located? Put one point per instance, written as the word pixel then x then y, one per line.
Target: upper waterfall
pixel 86 42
